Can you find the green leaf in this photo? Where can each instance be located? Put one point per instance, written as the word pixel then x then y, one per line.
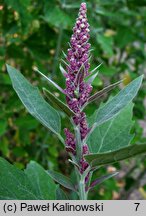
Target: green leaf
pixel 53 99
pixel 113 134
pixel 50 81
pixel 60 194
pixel 14 183
pixel 92 75
pixel 63 71
pixel 91 78
pixel 34 102
pixel 103 91
pixel 102 179
pixel 62 180
pixel 42 183
pixel 116 104
pixel 31 184
pixel 115 156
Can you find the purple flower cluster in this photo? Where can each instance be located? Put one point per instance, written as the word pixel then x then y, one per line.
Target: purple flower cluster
pixel 77 90
pixel 78 58
pixel 70 142
pixel 84 164
pixel 78 53
pixel 85 90
pixel 80 119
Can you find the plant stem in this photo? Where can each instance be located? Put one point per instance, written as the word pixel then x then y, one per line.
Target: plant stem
pixel 82 191
pixel 79 144
pixel 81 185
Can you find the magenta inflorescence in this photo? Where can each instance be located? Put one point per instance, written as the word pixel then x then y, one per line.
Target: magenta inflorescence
pixel 70 141
pixel 78 59
pixel 77 90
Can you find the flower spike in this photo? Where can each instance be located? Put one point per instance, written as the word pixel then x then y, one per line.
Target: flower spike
pixel 77 68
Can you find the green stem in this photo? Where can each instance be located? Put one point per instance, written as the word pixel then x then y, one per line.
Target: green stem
pixel 82 191
pixel 81 185
pixel 79 144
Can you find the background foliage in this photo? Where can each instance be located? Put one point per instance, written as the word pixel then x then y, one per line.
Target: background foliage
pixel 34 33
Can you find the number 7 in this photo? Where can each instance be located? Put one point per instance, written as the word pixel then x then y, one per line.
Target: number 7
pixel 137 204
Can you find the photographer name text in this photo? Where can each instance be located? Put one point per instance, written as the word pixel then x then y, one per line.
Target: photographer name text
pixel 54 207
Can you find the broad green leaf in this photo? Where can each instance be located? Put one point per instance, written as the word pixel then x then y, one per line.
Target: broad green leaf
pixel 14 183
pixel 60 194
pixel 62 180
pixel 53 99
pixel 34 102
pixel 117 103
pixel 115 156
pixel 42 183
pixel 31 184
pixel 113 134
